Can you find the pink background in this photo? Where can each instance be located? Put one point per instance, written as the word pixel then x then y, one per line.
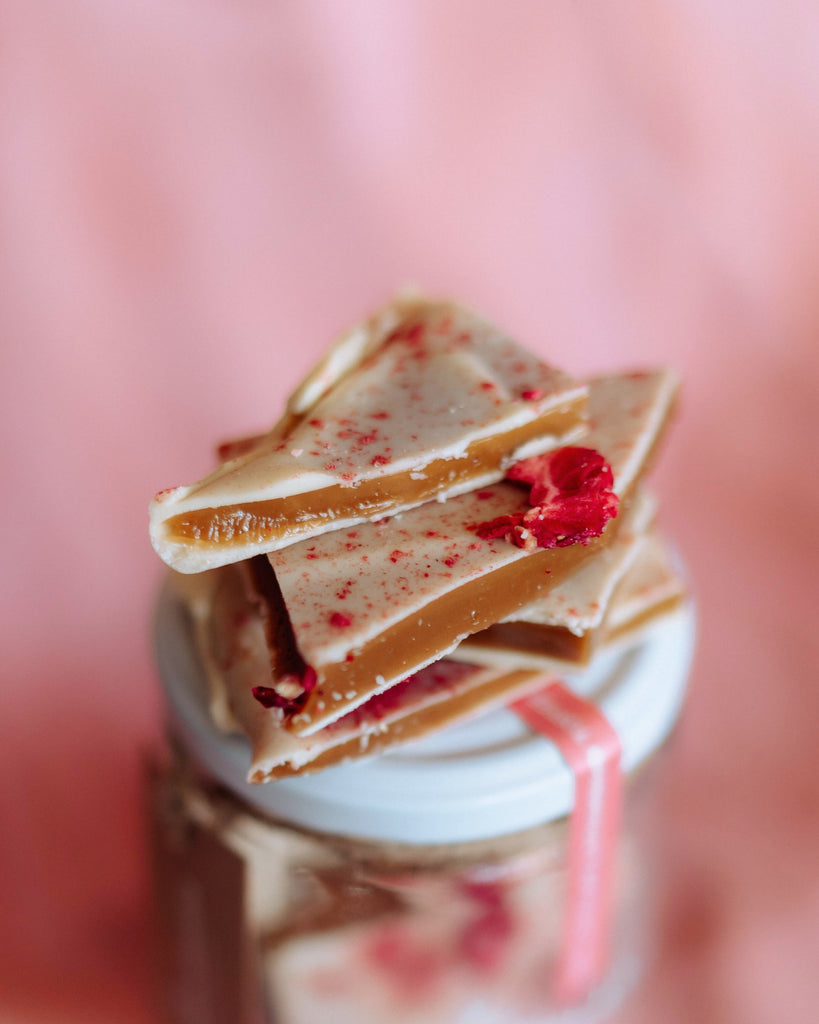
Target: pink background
pixel 196 195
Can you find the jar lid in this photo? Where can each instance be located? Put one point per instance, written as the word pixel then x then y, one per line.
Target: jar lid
pixel 485 778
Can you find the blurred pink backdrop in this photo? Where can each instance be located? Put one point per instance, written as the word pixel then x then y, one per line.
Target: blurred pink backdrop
pixel 195 196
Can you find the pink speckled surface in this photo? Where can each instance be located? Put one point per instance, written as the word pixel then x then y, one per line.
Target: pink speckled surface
pixel 195 196
pixel 432 381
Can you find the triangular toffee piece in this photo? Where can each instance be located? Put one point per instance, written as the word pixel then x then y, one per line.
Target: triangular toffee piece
pixel 448 692
pixel 425 401
pixel 651 588
pixel 629 602
pixel 234 650
pixel 372 605
pixel 565 622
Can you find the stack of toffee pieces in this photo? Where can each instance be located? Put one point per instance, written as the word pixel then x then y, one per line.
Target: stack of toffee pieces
pixel 438 524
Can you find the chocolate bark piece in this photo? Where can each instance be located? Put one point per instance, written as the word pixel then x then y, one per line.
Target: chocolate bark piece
pixel 232 642
pixel 372 605
pixel 652 588
pixel 439 695
pixel 425 401
pixel 445 693
pixel 649 589
pixel 566 621
pixel 197 593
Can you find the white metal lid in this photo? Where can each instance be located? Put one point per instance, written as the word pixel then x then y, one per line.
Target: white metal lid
pixel 484 778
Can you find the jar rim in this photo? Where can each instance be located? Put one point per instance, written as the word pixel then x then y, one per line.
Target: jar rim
pixel 482 779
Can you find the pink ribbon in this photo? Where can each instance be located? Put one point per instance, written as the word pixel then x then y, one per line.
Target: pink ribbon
pixel 591 749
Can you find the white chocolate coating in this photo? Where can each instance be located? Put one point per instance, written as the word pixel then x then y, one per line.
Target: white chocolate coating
pixel 441 683
pixel 580 602
pixel 345 588
pixel 641 597
pixel 652 583
pixel 420 382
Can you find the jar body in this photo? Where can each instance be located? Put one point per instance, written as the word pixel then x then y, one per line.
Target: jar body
pixel 263 922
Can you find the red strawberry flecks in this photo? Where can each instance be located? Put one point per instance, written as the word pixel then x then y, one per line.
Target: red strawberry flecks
pixel 233 449
pixel 566 472
pixel 309 679
pixel 486 938
pixel 271 698
pixel 571 496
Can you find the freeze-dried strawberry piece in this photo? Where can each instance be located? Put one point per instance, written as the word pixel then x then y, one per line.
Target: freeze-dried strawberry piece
pixel 571 497
pixel 290 693
pixel 270 698
pixel 567 471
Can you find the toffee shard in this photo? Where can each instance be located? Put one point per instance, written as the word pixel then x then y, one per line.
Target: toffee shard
pixel 447 585
pixel 568 622
pixel 445 693
pixel 423 401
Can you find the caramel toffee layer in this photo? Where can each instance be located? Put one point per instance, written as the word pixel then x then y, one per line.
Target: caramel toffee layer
pixel 565 624
pixel 441 694
pixel 436 628
pixel 434 401
pixel 652 588
pixel 298 515
pixel 628 628
pixel 649 590
pixel 427 719
pixel 533 640
pixel 372 605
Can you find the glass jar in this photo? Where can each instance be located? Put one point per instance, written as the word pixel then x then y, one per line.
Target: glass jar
pixel 426 886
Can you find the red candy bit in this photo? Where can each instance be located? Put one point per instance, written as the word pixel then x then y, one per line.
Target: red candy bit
pixel 233 449
pixel 571 497
pixel 412 335
pixel 270 698
pixel 340 621
pixel 532 395
pixel 485 939
pixel 503 526
pixel 379 460
pixel 318 424
pixel 413 967
pixel 566 472
pixel 569 522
